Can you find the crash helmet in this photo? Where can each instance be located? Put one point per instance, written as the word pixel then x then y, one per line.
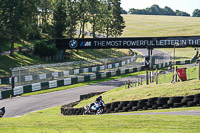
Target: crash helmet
pixel 99 97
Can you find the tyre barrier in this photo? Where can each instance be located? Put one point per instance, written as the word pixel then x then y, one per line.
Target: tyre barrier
pixel 139 105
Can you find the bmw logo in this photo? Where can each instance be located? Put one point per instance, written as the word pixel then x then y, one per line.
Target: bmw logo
pixel 73 44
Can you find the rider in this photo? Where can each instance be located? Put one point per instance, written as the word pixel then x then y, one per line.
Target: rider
pixel 96 101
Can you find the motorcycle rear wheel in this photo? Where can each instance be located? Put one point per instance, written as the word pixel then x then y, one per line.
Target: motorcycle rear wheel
pixel 99 111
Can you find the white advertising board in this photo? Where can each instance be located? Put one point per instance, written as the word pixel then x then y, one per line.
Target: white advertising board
pixel 53 84
pixel 67 81
pixel 36 86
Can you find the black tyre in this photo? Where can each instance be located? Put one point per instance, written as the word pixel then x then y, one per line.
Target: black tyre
pixel 144 108
pixel 112 108
pixel 124 103
pixel 197 96
pixel 142 102
pixel 151 103
pixel 162 100
pixel 132 103
pixel 152 100
pixel 121 106
pixel 108 111
pixel 134 108
pixel 115 104
pixel 197 100
pixel 156 106
pixel 107 106
pixel 173 100
pixel 190 104
pixel 116 110
pixel 166 106
pixel 177 105
pixel 125 109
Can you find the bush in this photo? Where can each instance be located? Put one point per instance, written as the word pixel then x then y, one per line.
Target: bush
pixel 42 49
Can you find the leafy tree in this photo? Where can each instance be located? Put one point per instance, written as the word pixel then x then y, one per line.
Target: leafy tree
pixel 83 16
pixel 59 18
pixel 72 17
pixel 118 21
pixel 45 9
pixel 196 13
pixel 94 12
pixel 181 13
pixel 169 11
pixel 155 10
pixel 16 19
pixel 123 11
pixel 42 49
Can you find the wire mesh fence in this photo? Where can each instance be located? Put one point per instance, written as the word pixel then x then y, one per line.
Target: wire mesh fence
pixel 46 72
pixel 161 57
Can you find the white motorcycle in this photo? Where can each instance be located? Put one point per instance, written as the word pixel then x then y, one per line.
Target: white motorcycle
pixel 95 108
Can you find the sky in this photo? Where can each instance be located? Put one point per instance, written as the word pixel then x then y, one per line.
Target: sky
pixel 182 5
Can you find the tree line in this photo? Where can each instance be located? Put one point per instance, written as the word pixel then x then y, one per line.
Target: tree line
pixel 29 19
pixel 156 10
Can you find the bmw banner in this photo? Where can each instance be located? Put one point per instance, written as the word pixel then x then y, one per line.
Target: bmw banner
pixel 140 42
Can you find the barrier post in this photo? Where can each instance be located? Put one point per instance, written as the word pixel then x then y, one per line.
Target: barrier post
pixel 199 71
pixel 147 78
pixel 12 86
pixel 156 76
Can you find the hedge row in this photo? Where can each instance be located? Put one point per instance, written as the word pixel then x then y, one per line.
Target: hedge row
pixel 143 104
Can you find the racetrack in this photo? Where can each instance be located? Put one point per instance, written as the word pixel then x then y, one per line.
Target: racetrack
pixel 21 105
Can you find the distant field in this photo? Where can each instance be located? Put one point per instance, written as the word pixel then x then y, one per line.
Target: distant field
pixel 180 53
pixel 150 26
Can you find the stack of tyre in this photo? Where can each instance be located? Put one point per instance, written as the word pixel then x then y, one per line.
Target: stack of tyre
pixel 71 111
pixel 143 104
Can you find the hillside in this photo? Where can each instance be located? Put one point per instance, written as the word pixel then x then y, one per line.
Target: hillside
pixel 150 25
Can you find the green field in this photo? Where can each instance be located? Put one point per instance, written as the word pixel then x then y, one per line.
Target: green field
pixel 180 53
pixel 150 26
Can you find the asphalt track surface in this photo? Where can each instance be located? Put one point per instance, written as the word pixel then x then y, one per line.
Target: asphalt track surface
pixel 19 106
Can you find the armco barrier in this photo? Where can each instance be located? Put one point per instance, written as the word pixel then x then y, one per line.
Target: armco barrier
pixel 143 104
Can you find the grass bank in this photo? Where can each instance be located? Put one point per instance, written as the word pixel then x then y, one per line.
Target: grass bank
pixel 25 59
pixel 163 89
pixel 156 25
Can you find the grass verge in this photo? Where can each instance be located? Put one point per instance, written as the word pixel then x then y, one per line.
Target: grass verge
pixel 51 121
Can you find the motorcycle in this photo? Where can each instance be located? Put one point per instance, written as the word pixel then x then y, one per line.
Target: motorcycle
pixel 94 108
pixel 2 111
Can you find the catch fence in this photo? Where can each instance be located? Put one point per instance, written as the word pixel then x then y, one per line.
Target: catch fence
pixel 46 72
